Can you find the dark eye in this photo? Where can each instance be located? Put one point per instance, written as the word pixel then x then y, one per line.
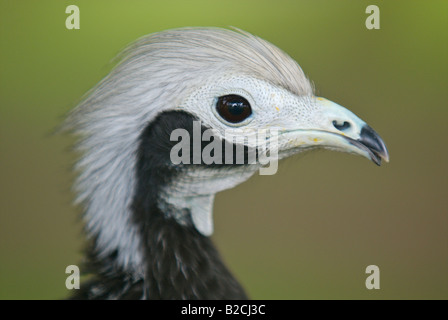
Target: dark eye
pixel 233 108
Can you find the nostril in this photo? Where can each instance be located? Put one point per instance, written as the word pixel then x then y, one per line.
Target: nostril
pixel 341 126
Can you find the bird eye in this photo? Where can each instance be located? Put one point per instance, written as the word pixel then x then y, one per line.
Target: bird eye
pixel 233 108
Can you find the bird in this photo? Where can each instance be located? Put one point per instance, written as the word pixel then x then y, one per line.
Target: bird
pixel 148 221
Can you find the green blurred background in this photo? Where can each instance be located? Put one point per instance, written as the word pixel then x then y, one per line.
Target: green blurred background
pixel 307 232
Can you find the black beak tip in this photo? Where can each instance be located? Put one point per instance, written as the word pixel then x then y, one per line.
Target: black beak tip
pixel 373 143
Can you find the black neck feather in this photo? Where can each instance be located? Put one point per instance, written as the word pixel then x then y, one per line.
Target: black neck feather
pixel 180 263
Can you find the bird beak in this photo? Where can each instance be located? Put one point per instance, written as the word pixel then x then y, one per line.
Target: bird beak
pixel 337 128
pixel 371 142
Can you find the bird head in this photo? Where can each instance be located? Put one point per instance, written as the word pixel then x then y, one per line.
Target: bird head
pixel 230 82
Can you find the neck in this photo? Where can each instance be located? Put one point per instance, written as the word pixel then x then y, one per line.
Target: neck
pixel 178 261
pixel 181 263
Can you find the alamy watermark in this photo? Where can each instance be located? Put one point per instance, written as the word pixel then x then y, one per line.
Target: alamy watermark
pixel 373 20
pixel 72 281
pixel 236 147
pixel 72 20
pixel 373 280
